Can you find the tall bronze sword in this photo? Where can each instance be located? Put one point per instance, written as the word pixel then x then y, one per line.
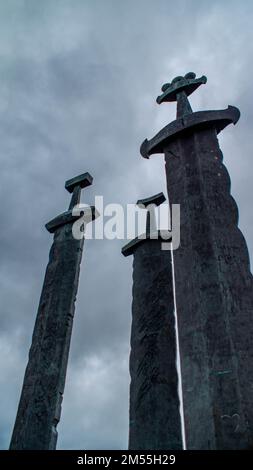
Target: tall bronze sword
pixel 213 283
pixel 154 421
pixel 40 403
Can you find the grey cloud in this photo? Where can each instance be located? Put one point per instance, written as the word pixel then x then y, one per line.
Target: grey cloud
pixel 78 84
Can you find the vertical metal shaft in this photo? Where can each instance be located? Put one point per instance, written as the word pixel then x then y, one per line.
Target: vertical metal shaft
pixel 40 402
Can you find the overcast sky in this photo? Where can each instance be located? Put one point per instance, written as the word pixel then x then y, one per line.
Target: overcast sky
pixel 78 83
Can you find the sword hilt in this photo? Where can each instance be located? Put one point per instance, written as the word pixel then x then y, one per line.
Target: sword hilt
pixel 150 203
pixel 75 186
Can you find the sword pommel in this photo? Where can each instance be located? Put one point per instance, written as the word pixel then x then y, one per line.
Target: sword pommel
pixel 187 84
pixel 75 185
pixel 149 204
pixel 83 181
pixel 157 200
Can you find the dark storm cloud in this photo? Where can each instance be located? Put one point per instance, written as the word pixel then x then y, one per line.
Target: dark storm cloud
pixel 78 87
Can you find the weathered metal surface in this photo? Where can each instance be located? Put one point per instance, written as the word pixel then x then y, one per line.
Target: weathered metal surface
pixel 154 403
pixel 214 294
pixel 40 402
pixel 213 283
pixel 155 421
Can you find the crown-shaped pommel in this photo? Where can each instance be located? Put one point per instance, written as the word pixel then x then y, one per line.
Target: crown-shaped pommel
pixel 189 83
